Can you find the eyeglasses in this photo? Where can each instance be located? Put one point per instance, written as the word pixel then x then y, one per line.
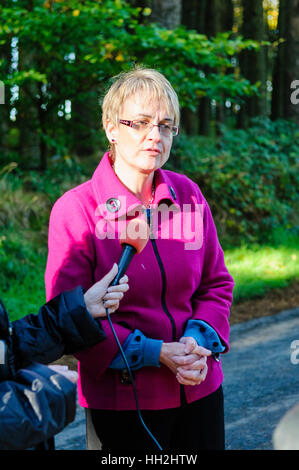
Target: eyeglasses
pixel 146 126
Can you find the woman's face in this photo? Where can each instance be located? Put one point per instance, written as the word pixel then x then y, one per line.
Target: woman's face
pixel 144 152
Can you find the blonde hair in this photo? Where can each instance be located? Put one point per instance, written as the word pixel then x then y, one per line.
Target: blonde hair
pixel 148 81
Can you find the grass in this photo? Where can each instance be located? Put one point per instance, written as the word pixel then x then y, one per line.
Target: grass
pixel 27 296
pixel 256 268
pixel 22 265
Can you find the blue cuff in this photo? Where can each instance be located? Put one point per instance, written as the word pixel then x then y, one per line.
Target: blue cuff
pixel 140 352
pixel 151 352
pixel 205 335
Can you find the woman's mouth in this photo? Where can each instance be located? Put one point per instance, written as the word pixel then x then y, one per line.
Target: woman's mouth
pixel 154 151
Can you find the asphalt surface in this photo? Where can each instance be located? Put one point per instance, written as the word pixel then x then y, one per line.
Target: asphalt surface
pixel 261 383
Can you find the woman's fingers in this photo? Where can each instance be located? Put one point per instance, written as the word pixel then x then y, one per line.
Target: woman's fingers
pixel 198 364
pixel 201 351
pixel 197 354
pixel 186 360
pixel 192 377
pixel 193 374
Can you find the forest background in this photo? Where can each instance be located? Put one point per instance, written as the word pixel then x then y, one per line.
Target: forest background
pixel 234 65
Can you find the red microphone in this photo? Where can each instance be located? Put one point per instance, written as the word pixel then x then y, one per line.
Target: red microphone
pixel 133 239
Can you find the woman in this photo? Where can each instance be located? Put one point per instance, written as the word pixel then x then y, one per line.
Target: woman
pixel 173 322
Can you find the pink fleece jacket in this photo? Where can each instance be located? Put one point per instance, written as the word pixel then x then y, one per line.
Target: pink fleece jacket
pixel 179 275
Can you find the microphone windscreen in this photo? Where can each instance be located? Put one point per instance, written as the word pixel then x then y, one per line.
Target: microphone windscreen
pixel 136 233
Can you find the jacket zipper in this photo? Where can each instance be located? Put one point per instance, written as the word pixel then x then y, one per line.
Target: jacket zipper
pixel 163 275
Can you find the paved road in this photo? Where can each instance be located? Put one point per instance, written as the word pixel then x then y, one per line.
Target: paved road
pixel 261 383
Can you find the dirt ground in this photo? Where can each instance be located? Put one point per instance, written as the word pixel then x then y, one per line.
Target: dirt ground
pixel 275 301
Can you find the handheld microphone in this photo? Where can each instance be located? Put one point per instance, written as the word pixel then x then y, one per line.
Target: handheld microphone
pixel 133 239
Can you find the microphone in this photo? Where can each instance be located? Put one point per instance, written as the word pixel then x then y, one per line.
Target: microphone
pixel 133 239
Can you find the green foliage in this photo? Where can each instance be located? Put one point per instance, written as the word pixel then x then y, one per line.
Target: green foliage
pixel 68 50
pixel 19 208
pixel 17 258
pixel 184 56
pixel 62 174
pixel 78 44
pixel 25 205
pixel 250 178
pixel 22 265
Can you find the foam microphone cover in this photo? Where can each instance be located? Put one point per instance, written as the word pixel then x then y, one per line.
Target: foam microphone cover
pixel 136 234
pixel 133 239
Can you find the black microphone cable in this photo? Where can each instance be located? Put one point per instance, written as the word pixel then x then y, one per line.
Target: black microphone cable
pixel 132 381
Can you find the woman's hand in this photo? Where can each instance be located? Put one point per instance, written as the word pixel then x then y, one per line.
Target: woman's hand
pixel 194 370
pixel 186 360
pixel 100 296
pixel 168 354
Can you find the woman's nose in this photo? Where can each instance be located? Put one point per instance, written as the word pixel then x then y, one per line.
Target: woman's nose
pixel 155 133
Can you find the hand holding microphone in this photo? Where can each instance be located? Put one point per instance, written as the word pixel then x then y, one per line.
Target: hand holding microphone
pixel 133 239
pixel 100 296
pixel 107 293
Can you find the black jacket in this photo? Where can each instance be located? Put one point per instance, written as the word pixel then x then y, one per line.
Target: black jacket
pixel 35 402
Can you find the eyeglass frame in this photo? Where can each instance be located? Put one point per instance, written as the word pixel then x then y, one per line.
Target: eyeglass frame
pixel 130 124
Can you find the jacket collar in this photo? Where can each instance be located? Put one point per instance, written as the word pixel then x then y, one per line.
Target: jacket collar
pixel 115 200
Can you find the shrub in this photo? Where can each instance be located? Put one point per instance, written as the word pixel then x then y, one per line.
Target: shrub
pixel 16 260
pixel 27 196
pixel 22 267
pixel 62 174
pixel 248 177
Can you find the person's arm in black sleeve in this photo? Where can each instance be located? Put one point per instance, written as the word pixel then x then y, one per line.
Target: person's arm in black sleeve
pixel 64 325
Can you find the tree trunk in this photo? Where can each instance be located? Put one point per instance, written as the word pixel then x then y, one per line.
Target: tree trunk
pixel 27 113
pixel 27 109
pixel 5 107
pixel 194 16
pixel 286 70
pixel 166 13
pixel 224 14
pixel 253 63
pixel 84 117
pixel 278 80
pixel 292 69
pixel 190 19
pixel 207 17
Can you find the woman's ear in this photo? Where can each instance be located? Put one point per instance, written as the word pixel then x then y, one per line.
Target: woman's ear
pixel 111 132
